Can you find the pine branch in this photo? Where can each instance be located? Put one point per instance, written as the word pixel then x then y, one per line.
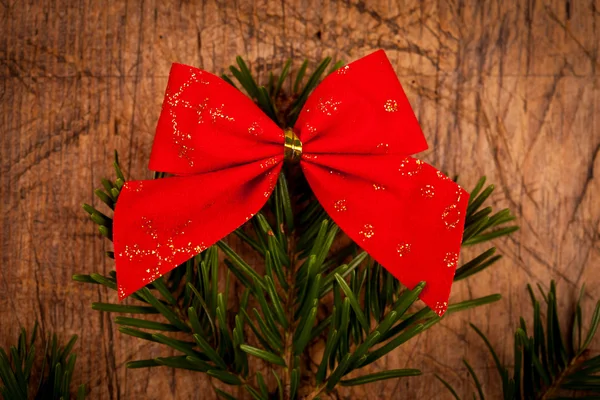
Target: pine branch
pixel 548 365
pixel 286 305
pixel 17 369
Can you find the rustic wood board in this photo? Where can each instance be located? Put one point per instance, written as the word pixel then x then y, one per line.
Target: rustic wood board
pixel 507 89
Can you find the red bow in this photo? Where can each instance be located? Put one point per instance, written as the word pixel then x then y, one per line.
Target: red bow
pixel 357 132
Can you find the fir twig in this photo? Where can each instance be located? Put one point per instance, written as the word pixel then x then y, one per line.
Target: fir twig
pixel 545 367
pixel 18 366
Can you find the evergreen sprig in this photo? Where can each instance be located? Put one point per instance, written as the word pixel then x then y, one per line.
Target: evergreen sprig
pixel 18 368
pixel 302 294
pixel 547 363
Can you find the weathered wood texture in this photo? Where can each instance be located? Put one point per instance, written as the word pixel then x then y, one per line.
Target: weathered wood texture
pixel 504 89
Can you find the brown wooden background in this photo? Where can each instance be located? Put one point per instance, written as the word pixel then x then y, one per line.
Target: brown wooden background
pixel 508 89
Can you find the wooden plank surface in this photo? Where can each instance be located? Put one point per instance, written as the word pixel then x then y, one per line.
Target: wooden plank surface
pixel 507 89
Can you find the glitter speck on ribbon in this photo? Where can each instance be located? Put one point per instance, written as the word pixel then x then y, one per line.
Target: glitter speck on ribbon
pixel 173 100
pixel 451 260
pixel 153 274
pixel 367 232
pixel 428 191
pixel 390 106
pixel 121 291
pixel 200 248
pixel 217 113
pixel 440 308
pixel 343 70
pixel 458 194
pixel 328 106
pixel 378 187
pixel 182 140
pixel 451 216
pixel 336 173
pixel 134 186
pixel 311 130
pixel 164 250
pixel 271 178
pixel 268 163
pixel 147 225
pixel 403 249
pixel 255 129
pixel 384 147
pixel 410 166
pixel 340 205
pixel 200 110
pixel 442 176
pixel 309 156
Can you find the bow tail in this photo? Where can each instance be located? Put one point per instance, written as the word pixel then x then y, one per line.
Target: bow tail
pixel 406 214
pixel 159 224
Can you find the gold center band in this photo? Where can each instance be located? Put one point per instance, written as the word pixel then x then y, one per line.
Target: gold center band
pixel 292 146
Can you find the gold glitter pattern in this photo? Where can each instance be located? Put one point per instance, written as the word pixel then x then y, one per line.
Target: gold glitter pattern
pixel 268 163
pixel 403 249
pixel 163 251
pixel 120 290
pixel 311 130
pixel 428 191
pixel 182 140
pixel 378 187
pixel 328 106
pixel 147 225
pixel 272 180
pixel 458 194
pixel 173 98
pixel 336 173
pixel 440 308
pixel 442 176
pixel 410 166
pixel 343 70
pixel 451 216
pixel 367 232
pixel 255 129
pixel 451 260
pixel 390 106
pixel 384 148
pixel 217 113
pixel 340 205
pixel 135 186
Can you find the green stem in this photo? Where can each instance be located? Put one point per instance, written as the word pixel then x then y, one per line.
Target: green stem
pixel 317 391
pixel 288 353
pixel 555 386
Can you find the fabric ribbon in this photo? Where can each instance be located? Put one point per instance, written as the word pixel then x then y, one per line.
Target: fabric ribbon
pixel 356 135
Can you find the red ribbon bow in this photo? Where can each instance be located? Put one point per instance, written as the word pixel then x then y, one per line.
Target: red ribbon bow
pixel 357 131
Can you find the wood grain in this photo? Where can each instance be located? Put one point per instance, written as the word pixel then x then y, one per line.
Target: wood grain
pixel 507 89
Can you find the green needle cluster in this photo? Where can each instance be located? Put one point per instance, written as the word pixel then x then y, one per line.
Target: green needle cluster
pixel 547 363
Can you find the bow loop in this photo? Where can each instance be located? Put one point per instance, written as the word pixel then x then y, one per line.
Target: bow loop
pixel 206 125
pixel 159 224
pixel 406 214
pixel 360 109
